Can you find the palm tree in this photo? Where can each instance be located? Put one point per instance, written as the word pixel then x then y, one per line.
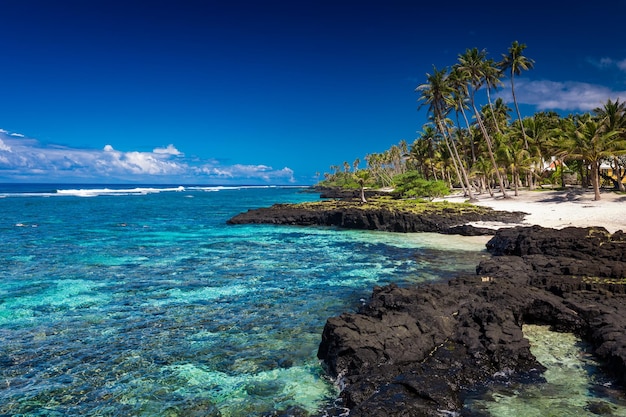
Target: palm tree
pixel 458 82
pixel 515 157
pixel 497 115
pixel 422 152
pixel 588 140
pixel 484 169
pixel 472 65
pixel 515 62
pixel 613 116
pixel 538 131
pixel 437 93
pixel 493 80
pixel 361 177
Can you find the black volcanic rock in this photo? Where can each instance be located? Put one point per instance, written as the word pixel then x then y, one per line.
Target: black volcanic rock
pixel 427 217
pixel 416 351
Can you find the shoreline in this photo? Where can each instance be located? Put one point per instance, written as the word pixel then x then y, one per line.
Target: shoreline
pixel 555 209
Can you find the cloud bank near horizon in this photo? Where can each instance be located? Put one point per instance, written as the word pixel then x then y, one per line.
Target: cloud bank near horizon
pixel 25 159
pixel 570 96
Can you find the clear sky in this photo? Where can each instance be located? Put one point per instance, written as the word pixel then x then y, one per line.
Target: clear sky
pixel 265 91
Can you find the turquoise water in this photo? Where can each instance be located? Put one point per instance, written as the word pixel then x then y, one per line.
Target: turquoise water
pixel 125 301
pixel 574 385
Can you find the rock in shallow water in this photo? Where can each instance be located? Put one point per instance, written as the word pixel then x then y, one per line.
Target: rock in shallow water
pixel 416 351
pixel 397 217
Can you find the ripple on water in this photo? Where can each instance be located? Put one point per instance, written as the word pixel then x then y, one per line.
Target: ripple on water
pixel 147 305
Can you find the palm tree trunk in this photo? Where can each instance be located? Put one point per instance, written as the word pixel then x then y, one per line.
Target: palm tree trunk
pixel 618 175
pixel 469 131
pixel 466 190
pixel 595 179
pixel 519 115
pixel 462 167
pixel 490 149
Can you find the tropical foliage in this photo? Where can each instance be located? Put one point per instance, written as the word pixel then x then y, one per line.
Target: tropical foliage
pixel 477 146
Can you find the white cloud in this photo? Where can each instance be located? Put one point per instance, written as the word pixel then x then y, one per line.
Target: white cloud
pixel 602 63
pixel 567 96
pixel 263 172
pixel 4 147
pixel 607 63
pixel 170 150
pixel 27 159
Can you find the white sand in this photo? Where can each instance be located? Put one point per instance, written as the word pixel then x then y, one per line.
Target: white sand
pixel 557 209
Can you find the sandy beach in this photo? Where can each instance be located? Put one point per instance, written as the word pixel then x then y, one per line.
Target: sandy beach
pixel 557 209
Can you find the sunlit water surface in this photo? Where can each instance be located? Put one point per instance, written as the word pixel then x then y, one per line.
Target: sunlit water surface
pixel 144 302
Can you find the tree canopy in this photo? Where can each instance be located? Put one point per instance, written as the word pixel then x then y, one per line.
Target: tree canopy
pixel 490 150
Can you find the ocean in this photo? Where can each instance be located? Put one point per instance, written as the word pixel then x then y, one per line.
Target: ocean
pixel 126 300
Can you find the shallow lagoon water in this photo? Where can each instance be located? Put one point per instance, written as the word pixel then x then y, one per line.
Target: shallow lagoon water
pixel 574 384
pixel 146 303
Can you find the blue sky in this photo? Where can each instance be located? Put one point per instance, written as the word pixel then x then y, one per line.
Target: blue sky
pixel 264 92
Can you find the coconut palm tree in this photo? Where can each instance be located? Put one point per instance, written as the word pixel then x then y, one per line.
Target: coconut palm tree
pixel 458 81
pixel 538 132
pixel 493 79
pixel 587 139
pixel 496 116
pixel 422 152
pixel 483 168
pixel 361 176
pixel 437 94
pixel 472 65
pixel 515 157
pixel 613 117
pixel 515 62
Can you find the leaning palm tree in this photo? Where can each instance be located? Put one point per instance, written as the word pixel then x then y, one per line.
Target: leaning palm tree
pixel 493 79
pixel 472 64
pixel 515 62
pixel 458 81
pixel 437 93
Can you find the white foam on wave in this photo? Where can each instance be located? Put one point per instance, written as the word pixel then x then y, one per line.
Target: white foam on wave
pixel 234 187
pixel 120 191
pixel 94 192
pixel 213 188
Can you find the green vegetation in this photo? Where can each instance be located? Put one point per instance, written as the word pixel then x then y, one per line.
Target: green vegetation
pixel 413 206
pixel 412 184
pixel 479 147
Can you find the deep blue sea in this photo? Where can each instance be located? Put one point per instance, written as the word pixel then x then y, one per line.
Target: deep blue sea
pixel 142 301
